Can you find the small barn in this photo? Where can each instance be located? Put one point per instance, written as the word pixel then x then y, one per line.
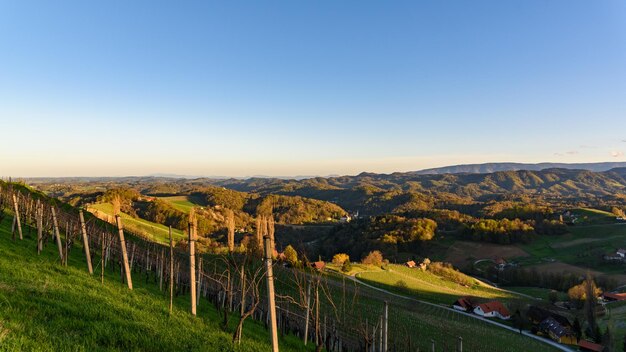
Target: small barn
pixel 463 304
pixel 410 264
pixel 319 265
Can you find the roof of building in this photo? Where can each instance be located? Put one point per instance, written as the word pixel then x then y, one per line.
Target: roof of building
pixel 494 306
pixel 318 265
pixel 410 264
pixel 500 261
pixel 621 250
pixel 615 296
pixel 539 314
pixel 463 302
pixel 588 345
pixel 550 324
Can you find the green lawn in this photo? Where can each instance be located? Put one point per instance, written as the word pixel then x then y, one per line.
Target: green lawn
pixel 47 307
pixel 427 286
pixel 588 216
pixel 155 232
pixel 182 203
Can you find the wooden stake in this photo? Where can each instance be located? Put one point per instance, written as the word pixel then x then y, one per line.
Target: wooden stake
pixel 192 266
pixel 102 259
pixel 17 217
pixel 171 271
pixel 39 216
pixel 199 281
pixel 85 241
pixel 129 279
pixel 56 233
pixel 385 324
pixel 270 294
pixel 308 313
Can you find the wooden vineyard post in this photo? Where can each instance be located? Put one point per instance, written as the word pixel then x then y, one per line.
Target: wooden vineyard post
pixel 381 334
pixel 432 345
pixel 102 259
pixel 198 286
pixel 385 324
pixel 129 280
pixel 17 217
pixel 67 236
pixel 85 241
pixel 192 264
pixel 308 313
pixel 270 294
pixel 56 233
pixel 460 344
pixel 171 271
pixel 39 216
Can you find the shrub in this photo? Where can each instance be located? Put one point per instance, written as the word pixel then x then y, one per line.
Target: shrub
pixel 347 266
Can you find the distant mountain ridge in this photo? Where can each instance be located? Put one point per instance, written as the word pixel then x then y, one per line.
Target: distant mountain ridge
pixel 488 168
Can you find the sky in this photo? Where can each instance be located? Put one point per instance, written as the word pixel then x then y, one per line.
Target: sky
pixel 286 88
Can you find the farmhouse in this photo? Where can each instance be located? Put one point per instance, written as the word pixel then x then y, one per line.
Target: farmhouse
pixel 589 346
pixel 492 309
pixel 621 252
pixel 608 296
pixel 410 264
pixel 536 315
pixel 557 332
pixel 463 304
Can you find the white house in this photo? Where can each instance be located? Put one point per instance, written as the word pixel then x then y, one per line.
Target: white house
pixel 621 252
pixel 492 309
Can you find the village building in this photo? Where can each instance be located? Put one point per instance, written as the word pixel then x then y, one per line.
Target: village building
pixel 410 264
pixel 463 304
pixel 492 309
pixel 589 346
pixel 621 252
pixel 557 332
pixel 319 265
pixel 536 315
pixel 612 297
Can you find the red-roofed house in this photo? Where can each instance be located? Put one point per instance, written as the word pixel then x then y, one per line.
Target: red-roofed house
pixel 463 304
pixel 589 346
pixel 318 265
pixel 411 264
pixel 492 309
pixel 614 296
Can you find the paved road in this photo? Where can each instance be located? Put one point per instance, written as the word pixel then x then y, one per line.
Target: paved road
pixel 524 332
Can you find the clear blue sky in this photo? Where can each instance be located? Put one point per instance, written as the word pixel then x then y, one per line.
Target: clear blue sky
pixel 307 87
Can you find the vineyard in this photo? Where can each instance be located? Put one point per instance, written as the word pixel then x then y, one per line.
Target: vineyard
pixel 343 316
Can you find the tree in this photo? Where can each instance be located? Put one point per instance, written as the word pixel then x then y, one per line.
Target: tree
pixel 553 296
pixel 291 256
pixel 373 258
pixel 578 331
pixel 347 266
pixel 340 258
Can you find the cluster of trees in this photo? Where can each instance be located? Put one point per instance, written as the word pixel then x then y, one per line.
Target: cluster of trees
pixel 503 231
pixel 389 234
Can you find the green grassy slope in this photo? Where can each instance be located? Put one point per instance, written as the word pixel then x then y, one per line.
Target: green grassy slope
pixel 155 232
pixel 182 203
pixel 47 307
pixel 427 286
